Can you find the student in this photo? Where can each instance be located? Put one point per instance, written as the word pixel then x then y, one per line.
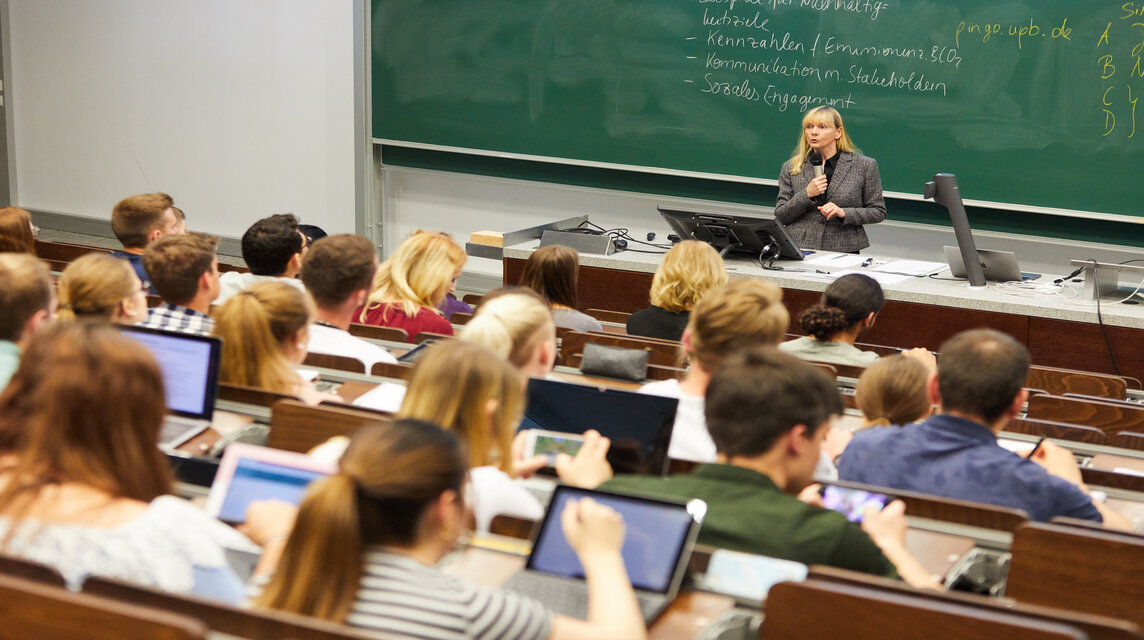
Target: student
pixel 412 283
pixel 892 391
pixel 338 272
pixel 688 271
pixel 272 248
pixel 184 270
pixel 264 331
pixel 96 287
pixel 849 306
pixel 26 305
pixel 83 485
pixel 731 318
pixel 552 272
pixel 467 389
pixel 17 233
pixel 769 414
pixel 367 541
pixel 139 220
pixel 979 385
pixel 518 327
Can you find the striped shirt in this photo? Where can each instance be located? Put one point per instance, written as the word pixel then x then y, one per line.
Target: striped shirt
pixel 175 318
pixel 403 598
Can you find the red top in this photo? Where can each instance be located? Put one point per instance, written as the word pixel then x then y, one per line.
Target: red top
pixel 392 315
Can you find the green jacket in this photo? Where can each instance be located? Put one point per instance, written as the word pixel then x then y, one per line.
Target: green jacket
pixel 747 512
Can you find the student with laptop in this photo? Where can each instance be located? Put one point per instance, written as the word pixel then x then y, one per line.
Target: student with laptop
pixel 366 541
pixel 768 413
pixel 184 270
pixel 338 272
pixel 26 305
pixel 83 486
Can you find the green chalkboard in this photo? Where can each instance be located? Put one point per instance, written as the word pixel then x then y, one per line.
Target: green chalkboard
pixel 1031 103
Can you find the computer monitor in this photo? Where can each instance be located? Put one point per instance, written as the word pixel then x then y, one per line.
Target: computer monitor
pixel 765 238
pixel 944 191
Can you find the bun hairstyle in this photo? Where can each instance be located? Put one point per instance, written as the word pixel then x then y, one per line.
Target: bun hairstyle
pixel 387 478
pixel 846 302
pixel 93 285
pixel 892 391
pixel 511 325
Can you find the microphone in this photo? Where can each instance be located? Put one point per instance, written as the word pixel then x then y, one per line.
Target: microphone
pixel 816 161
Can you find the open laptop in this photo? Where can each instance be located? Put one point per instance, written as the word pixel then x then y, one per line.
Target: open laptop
pixel 659 537
pixel 190 379
pixel 999 266
pixel 638 424
pixel 249 473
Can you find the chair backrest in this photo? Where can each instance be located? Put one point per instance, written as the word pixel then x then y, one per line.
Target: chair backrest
pixel 429 335
pixel 221 618
pixel 397 371
pixel 1092 571
pixel 663 352
pixel 297 426
pixel 460 318
pixel 250 395
pixel 603 315
pixel 33 610
pixel 331 361
pixel 472 299
pixel 1110 479
pixel 1108 417
pixel 796 610
pixel 1127 440
pixel 29 570
pixel 1096 627
pixel 1061 381
pixel 372 332
pixel 1059 430
pixel 64 251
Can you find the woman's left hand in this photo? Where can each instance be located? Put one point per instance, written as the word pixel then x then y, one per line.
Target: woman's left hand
pixel 831 210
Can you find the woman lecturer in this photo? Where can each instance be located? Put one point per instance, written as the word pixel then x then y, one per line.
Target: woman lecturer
pixel 828 212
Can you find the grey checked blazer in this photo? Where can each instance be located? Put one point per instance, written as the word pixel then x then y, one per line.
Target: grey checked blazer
pixel 856 187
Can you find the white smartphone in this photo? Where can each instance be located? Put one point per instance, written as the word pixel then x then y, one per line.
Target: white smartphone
pixel 551 443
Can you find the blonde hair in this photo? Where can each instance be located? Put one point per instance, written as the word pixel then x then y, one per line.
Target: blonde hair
pixel 820 116
pixel 688 271
pixel 254 324
pixel 892 390
pixel 736 316
pixel 418 275
pixel 93 286
pixel 452 385
pixel 511 325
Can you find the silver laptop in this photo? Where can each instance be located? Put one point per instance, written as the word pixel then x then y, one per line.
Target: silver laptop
pixel 999 266
pixel 656 551
pixel 190 379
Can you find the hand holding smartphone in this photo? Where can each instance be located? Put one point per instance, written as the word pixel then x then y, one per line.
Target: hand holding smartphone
pixel 852 503
pixel 551 443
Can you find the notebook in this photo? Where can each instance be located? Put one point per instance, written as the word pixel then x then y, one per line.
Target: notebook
pixel 638 424
pixel 660 535
pixel 999 266
pixel 190 380
pixel 249 473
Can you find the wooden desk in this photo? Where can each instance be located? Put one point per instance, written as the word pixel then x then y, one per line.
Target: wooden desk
pixel 922 312
pixel 687 615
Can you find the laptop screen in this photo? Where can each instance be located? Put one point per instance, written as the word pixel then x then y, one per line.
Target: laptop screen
pixel 657 534
pixel 190 368
pixel 638 424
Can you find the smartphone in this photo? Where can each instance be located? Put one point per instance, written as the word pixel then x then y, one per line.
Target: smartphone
pixel 551 443
pixel 852 503
pixel 409 357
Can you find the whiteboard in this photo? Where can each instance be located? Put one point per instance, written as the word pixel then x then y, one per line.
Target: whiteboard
pixel 237 108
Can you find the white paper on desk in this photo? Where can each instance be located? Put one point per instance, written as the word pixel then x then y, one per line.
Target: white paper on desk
pixel 882 278
pixel 912 267
pixel 1128 471
pixel 386 396
pixel 309 375
pixel 835 260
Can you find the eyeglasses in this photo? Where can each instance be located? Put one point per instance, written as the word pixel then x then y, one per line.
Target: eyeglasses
pixel 35 231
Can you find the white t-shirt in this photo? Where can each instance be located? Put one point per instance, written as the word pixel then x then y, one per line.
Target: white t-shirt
pixel 232 282
pixel 336 342
pixel 689 438
pixel 494 493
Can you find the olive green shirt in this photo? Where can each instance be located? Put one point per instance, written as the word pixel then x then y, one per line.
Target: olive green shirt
pixel 747 512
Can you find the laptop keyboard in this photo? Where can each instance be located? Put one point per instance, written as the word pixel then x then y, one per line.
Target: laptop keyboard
pixel 569 596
